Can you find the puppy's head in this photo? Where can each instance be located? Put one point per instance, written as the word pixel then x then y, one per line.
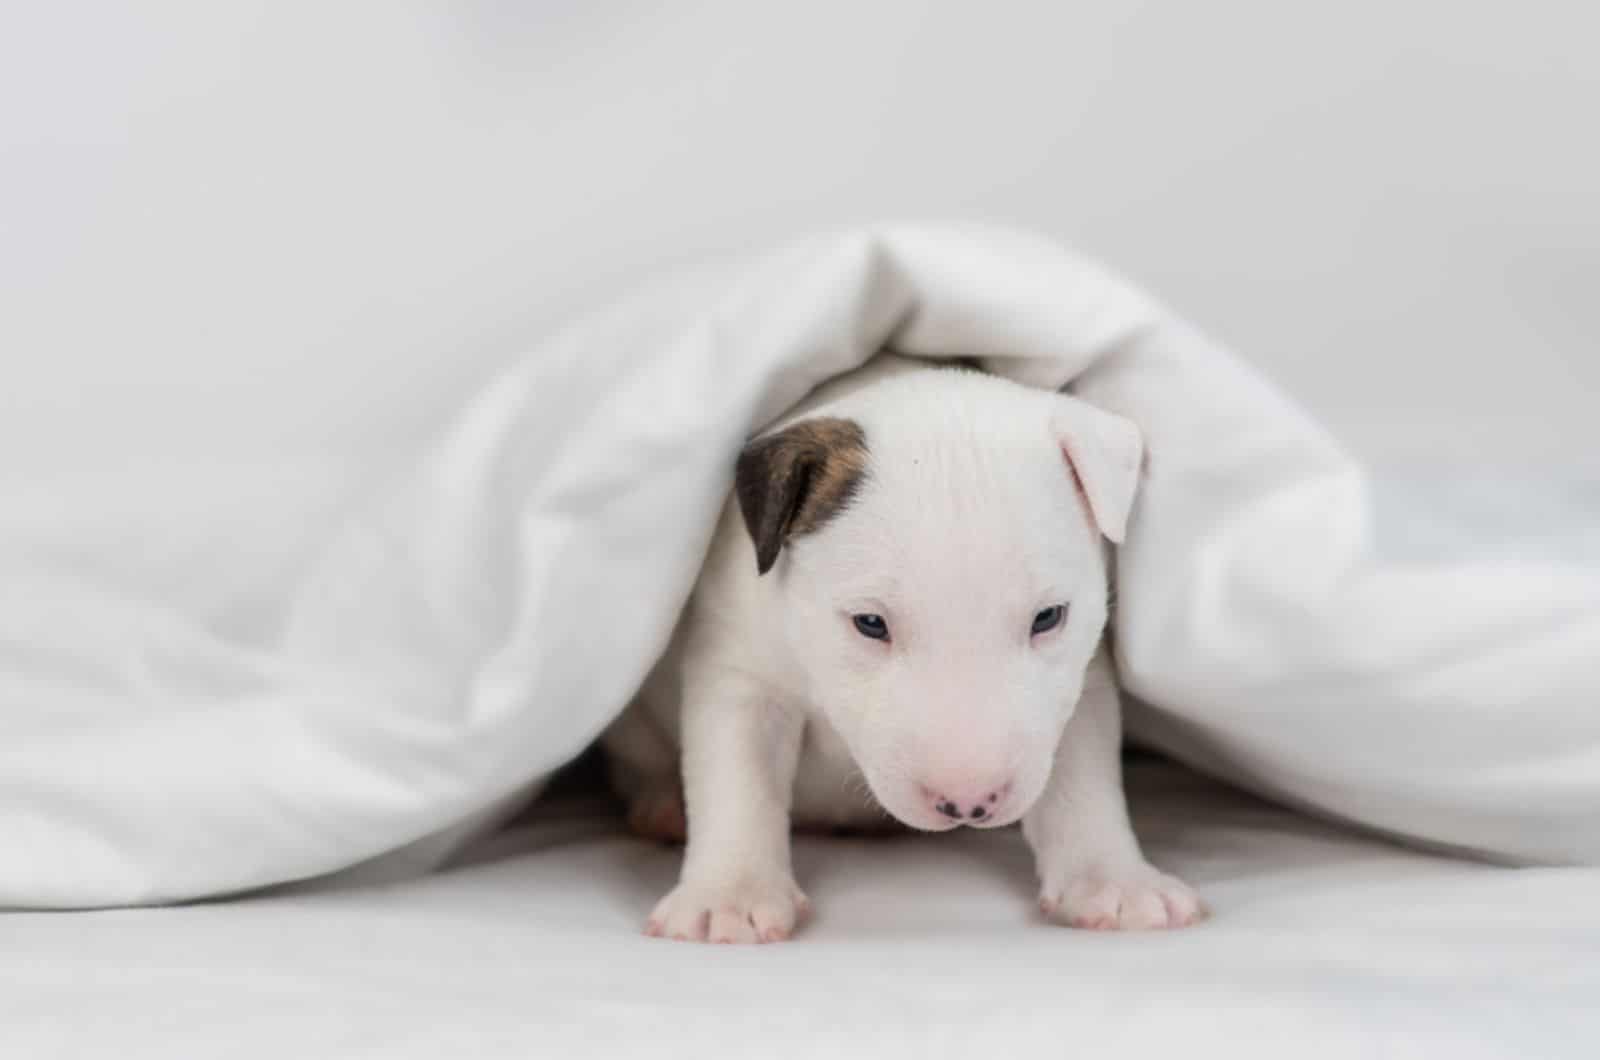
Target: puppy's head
pixel 935 542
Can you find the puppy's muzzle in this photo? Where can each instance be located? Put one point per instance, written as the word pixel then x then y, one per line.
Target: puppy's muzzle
pixel 967 802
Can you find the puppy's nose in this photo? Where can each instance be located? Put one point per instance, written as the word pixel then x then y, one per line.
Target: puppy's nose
pixel 969 804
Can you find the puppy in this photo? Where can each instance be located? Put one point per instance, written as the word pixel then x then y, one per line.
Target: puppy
pixel 900 619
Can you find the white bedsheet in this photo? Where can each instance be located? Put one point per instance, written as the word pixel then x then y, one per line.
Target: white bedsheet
pixel 1323 943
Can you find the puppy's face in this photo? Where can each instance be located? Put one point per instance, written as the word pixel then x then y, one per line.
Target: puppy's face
pixel 937 550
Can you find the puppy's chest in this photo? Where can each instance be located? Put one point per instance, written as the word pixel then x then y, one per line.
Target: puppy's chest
pixel 829 790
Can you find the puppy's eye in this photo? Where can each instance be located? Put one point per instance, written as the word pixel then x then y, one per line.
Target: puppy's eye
pixel 871 626
pixel 1049 619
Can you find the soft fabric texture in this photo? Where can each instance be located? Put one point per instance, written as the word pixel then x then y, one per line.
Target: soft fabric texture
pixel 322 672
pixel 1324 944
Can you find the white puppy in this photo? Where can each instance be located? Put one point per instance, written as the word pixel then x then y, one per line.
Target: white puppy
pixel 901 611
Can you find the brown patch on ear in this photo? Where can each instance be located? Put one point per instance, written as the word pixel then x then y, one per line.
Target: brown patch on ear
pixel 794 481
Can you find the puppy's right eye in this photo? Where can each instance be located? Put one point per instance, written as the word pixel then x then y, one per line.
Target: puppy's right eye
pixel 872 627
pixel 1048 619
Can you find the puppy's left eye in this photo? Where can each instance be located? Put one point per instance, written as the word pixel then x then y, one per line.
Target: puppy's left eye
pixel 1049 619
pixel 873 627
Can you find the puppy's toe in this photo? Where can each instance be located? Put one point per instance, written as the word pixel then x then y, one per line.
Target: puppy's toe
pixel 749 911
pixel 732 925
pixel 1138 898
pixel 775 916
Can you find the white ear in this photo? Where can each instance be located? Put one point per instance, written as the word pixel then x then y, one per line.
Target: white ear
pixel 1105 454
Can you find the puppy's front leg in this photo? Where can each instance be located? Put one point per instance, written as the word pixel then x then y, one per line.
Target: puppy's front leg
pixel 740 749
pixel 1091 871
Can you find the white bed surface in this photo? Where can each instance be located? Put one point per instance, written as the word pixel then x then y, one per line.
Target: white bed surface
pixel 1323 943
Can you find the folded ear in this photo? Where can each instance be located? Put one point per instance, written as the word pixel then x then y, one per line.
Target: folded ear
pixel 1105 454
pixel 794 481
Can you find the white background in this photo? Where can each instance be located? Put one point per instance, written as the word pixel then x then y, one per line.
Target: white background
pixel 289 233
pixel 260 228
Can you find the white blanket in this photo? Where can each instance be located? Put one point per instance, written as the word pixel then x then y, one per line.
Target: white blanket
pixel 287 674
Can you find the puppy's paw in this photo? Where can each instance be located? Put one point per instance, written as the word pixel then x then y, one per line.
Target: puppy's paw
pixel 1136 898
pixel 658 814
pixel 751 909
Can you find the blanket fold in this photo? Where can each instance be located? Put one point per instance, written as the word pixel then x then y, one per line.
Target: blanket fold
pixel 434 647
